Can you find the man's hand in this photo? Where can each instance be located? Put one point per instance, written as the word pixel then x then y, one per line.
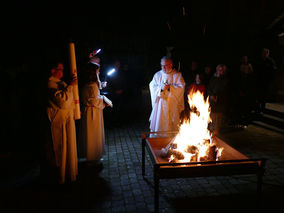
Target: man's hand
pixel 167 87
pixel 74 80
pixel 104 84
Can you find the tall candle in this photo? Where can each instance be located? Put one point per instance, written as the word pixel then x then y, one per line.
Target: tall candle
pixel 74 73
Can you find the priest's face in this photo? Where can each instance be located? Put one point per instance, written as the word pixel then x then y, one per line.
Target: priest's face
pixel 167 66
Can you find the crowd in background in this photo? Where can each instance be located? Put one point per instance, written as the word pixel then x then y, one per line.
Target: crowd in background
pixel 238 92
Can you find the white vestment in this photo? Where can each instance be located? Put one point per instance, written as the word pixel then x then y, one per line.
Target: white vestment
pixel 167 104
pixel 92 129
pixel 63 131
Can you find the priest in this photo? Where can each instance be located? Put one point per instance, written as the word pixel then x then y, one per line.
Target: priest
pixel 167 97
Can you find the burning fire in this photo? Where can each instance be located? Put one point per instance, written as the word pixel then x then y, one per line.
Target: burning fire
pixel 193 141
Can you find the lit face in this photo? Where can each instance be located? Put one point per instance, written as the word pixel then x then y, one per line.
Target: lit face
pixel 221 70
pixel 58 71
pixel 197 79
pixel 166 65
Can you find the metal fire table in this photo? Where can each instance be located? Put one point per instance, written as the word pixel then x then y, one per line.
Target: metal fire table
pixel 230 163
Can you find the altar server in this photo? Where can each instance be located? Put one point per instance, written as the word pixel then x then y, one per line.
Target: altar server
pixel 60 113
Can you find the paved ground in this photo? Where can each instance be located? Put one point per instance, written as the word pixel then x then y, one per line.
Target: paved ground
pixel 119 187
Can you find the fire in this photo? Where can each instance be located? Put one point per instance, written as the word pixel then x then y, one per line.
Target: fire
pixel 193 141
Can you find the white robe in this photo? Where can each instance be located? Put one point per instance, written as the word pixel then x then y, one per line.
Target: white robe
pixel 63 131
pixel 92 129
pixel 166 105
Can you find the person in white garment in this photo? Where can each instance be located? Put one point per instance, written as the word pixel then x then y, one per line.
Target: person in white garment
pixel 167 90
pixel 92 136
pixel 60 111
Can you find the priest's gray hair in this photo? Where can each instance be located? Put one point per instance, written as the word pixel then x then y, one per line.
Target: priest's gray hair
pixel 167 58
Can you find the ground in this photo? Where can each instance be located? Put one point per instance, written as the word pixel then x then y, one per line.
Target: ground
pixel 120 187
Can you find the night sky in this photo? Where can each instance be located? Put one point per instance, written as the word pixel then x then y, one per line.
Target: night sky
pixel 36 33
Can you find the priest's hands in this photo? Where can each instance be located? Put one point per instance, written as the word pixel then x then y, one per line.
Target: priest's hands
pixel 166 86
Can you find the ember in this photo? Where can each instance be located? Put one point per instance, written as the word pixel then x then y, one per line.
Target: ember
pixel 194 141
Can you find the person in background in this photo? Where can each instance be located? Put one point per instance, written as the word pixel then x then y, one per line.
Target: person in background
pixel 208 72
pixel 245 65
pixel 217 91
pixel 92 134
pixel 198 85
pixel 62 152
pixel 246 93
pixel 266 71
pixel 167 97
pixel 189 77
pixel 118 94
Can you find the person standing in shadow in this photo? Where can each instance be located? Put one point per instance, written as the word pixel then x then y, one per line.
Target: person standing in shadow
pixel 92 132
pixel 266 71
pixel 61 146
pixel 246 93
pixel 217 91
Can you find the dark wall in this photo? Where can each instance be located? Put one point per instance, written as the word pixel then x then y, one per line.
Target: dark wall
pixel 34 34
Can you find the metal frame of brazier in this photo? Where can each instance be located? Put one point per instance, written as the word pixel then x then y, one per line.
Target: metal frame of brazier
pixel 230 163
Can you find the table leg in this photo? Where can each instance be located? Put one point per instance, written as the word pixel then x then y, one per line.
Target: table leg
pixel 143 156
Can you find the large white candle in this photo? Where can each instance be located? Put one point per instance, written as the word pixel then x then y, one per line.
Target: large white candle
pixel 74 73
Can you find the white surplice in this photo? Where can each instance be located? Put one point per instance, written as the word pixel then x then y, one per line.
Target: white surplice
pixel 63 132
pixel 167 104
pixel 92 132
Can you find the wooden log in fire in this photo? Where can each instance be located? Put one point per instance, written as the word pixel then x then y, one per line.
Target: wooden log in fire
pixel 204 158
pixel 177 154
pixel 194 158
pixel 166 153
pixel 192 149
pixel 212 154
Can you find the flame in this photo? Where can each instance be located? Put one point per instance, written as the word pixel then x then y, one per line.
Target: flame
pixel 194 138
